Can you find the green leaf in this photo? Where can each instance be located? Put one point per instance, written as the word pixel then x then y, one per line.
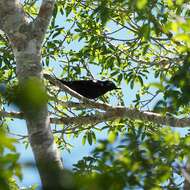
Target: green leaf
pixel 112 136
pixel 141 4
pixel 89 137
pixel 84 140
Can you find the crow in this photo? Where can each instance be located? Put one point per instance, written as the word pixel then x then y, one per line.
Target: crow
pixel 91 89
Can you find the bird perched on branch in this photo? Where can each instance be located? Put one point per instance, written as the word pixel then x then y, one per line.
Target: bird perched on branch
pixel 90 88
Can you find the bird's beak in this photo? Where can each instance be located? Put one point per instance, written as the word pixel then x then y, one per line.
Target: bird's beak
pixel 118 88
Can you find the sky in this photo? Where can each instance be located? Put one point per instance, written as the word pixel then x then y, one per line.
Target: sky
pixel 30 174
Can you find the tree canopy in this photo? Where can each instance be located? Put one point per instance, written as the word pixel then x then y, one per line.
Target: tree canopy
pixel 143 46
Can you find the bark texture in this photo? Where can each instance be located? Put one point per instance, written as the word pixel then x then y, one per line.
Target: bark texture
pixel 26 38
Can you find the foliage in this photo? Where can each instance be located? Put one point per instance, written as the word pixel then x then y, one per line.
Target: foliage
pixel 9 167
pixel 143 46
pixel 177 94
pixel 141 159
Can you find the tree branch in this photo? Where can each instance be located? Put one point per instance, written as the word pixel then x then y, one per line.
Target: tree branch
pixel 44 16
pixel 122 113
pixel 112 114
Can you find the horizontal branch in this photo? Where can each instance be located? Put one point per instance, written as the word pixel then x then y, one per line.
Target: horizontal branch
pixel 111 115
pixel 122 113
pixel 16 115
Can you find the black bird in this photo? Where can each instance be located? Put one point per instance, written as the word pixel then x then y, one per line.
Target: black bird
pixel 90 88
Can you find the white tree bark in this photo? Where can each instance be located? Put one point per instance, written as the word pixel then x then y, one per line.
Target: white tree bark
pixel 26 39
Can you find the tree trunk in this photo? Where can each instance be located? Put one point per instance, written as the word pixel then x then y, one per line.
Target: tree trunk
pixel 26 39
pixel 40 136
